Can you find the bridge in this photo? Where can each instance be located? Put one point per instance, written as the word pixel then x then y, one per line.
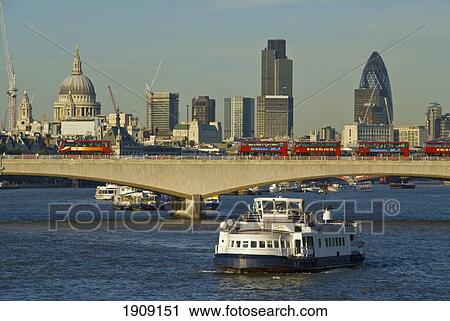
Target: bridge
pixel 195 179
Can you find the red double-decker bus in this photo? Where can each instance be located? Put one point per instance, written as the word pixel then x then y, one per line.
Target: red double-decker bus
pixel 437 149
pixel 84 147
pixel 324 148
pixel 261 147
pixel 383 149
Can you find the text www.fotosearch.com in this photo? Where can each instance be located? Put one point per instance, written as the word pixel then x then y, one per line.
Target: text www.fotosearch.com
pixel 240 311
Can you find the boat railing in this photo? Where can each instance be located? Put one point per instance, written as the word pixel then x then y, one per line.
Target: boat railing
pixel 305 251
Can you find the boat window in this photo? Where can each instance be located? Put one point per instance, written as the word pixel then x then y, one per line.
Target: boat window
pixel 309 241
pixel 231 243
pixel 294 205
pixel 253 244
pixel 320 242
pixel 343 241
pixel 282 244
pixel 245 244
pixel 352 237
pixel 280 206
pixel 288 244
pixel 269 244
pixel 326 242
pixel 267 206
pixel 238 243
pixel 333 241
pixel 276 244
pixel 262 244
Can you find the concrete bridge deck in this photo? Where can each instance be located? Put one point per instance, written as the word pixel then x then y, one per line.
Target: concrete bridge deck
pixel 195 179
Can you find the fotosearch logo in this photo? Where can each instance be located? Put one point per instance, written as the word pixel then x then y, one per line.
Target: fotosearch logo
pixel 90 217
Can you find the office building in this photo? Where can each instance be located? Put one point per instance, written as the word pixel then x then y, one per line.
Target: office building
pixel 198 134
pixel 434 116
pixel 328 133
pixel 203 109
pixel 276 69
pixel 275 105
pixel 357 132
pixel 274 116
pixel 162 112
pixel 415 135
pixel 239 117
pixel 373 99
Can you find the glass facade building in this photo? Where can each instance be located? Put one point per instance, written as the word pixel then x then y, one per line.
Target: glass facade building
pixel 239 117
pixel 373 99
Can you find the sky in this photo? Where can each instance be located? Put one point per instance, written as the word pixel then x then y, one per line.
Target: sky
pixel 213 47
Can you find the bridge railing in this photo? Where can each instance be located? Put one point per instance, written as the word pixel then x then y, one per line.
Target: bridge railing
pixel 225 157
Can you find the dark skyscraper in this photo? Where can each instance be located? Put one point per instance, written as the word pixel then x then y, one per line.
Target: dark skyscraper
pixel 373 99
pixel 275 115
pixel 203 109
pixel 434 116
pixel 276 70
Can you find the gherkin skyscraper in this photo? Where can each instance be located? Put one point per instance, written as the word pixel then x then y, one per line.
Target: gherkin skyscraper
pixel 373 98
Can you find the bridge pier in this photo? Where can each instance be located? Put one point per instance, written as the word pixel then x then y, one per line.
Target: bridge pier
pixel 190 208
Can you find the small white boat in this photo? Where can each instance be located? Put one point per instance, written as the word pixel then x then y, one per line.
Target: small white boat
pixel 274 188
pixel 334 187
pixel 277 235
pixel 313 189
pixel 365 186
pixel 105 192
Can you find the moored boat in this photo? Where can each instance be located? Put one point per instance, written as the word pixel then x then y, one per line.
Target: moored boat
pixel 402 185
pixel 105 192
pixel 129 198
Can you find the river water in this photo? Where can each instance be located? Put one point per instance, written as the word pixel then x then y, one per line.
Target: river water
pixel 410 260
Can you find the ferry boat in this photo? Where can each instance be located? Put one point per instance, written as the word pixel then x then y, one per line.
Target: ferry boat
pixel 277 235
pixel 105 192
pixel 125 198
pixel 129 198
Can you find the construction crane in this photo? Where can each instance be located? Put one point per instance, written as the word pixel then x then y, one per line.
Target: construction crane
pixel 150 88
pixel 11 110
pixel 116 108
pixel 149 95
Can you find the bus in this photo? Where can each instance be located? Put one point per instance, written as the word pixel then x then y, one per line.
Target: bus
pixel 437 149
pixel 260 147
pixel 84 147
pixel 324 148
pixel 383 149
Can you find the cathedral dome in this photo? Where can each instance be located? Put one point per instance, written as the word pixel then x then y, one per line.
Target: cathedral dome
pixel 77 83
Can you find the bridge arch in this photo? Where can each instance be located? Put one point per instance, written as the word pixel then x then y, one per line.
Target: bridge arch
pixel 194 179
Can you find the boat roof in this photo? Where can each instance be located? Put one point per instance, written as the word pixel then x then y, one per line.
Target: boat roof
pixel 278 199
